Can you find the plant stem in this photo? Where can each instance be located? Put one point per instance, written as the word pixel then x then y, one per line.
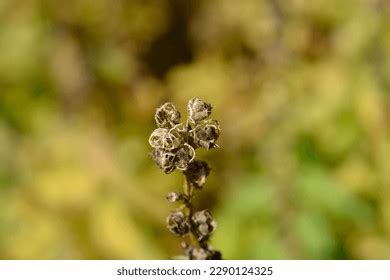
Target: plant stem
pixel 188 210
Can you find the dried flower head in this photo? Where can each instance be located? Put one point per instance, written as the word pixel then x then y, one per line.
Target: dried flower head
pixel 198 110
pixel 197 173
pixel 178 223
pixel 204 223
pixel 167 116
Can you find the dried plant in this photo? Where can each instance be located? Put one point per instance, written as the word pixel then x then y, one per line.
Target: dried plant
pixel 174 146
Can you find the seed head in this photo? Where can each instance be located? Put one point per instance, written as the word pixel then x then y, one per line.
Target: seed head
pixel 198 110
pixel 174 147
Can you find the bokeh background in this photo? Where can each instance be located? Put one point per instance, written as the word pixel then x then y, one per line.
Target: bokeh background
pixel 301 90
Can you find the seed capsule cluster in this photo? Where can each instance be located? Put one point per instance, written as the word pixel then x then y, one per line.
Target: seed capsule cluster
pixel 174 146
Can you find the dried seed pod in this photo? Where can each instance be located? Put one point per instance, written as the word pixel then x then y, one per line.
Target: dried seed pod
pixel 162 138
pixel 158 138
pixel 187 248
pixel 164 159
pixel 178 223
pixel 198 110
pixel 174 196
pixel 195 253
pixel 200 254
pixel 167 116
pixel 204 223
pixel 206 135
pixel 184 156
pixel 197 173
pixel 205 252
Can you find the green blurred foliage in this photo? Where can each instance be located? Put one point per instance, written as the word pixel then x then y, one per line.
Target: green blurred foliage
pixel 301 89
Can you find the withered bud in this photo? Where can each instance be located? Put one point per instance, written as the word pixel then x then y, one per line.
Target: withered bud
pixel 204 223
pixel 167 115
pixel 184 156
pixel 178 223
pixel 197 173
pixel 198 110
pixel 206 135
pixel 164 159
pixel 174 196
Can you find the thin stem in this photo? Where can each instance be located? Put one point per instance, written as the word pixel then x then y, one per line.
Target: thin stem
pixel 187 186
pixel 188 210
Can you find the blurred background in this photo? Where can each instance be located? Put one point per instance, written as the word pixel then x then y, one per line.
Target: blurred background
pixel 301 90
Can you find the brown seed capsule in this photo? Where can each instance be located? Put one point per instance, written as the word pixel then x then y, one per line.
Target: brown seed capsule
pixel 178 223
pixel 187 248
pixel 197 172
pixel 184 156
pixel 198 110
pixel 162 138
pixel 165 160
pixel 206 135
pixel 205 252
pixel 174 196
pixel 167 116
pixel 200 254
pixel 204 223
